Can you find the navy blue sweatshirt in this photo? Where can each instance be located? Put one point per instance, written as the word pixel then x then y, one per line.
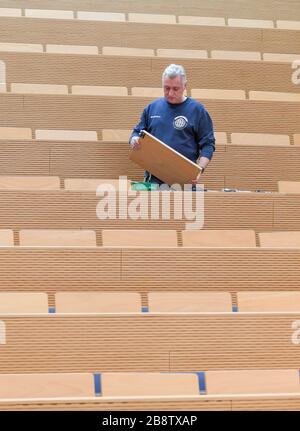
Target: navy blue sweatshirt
pixel 186 127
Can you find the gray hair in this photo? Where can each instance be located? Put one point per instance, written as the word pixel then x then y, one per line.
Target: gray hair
pixel 174 70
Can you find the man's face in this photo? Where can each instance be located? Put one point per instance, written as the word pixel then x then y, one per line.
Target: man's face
pixel 173 89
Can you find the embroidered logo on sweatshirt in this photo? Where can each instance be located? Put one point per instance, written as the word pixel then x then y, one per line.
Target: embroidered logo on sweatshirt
pixel 180 122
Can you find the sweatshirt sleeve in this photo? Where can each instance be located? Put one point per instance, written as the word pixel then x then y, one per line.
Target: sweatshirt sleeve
pixel 142 125
pixel 206 136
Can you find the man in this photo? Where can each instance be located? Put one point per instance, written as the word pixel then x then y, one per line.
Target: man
pixel 179 121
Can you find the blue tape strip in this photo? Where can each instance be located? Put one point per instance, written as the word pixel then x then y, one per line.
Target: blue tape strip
pixel 235 309
pixel 145 310
pixel 97 383
pixel 51 310
pixel 202 383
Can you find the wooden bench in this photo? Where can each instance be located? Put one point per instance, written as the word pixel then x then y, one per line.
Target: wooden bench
pixel 252 381
pixel 280 239
pixel 149 384
pixel 218 238
pixel 97 302
pixel 57 238
pixel 46 385
pixel 139 238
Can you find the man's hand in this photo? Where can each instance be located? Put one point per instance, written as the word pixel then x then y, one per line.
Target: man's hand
pixel 196 181
pixel 135 143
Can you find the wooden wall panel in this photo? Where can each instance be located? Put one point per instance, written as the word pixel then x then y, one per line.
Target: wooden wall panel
pixel 93 160
pixel 145 72
pixel 25 158
pixel 260 167
pixel 142 270
pixel 64 268
pixel 97 113
pixel 133 343
pixel 136 35
pixel 286 213
pixel 64 209
pixel 268 9
pixel 231 270
pixel 234 166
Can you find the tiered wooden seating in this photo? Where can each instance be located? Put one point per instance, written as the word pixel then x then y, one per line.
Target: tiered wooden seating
pixel 177 335
pixel 238 175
